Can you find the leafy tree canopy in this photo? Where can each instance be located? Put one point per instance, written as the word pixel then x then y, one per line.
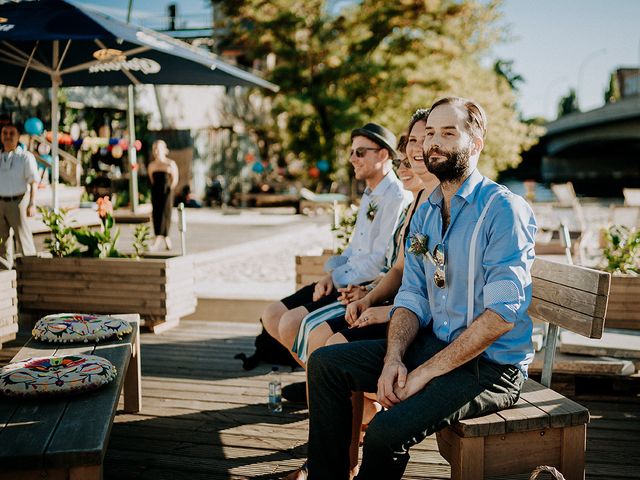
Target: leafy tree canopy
pixel 377 61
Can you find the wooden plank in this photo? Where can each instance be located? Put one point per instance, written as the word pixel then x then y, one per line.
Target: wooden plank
pixel 586 279
pixel 105 283
pixel 77 441
pixel 567 296
pixel 572 453
pixel 73 264
pixel 91 277
pixel 104 293
pixel 584 365
pixel 619 345
pixel 562 411
pixel 521 452
pixel 576 322
pixel 92 303
pixel 26 435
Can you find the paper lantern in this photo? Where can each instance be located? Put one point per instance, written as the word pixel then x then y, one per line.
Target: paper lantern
pixel 33 126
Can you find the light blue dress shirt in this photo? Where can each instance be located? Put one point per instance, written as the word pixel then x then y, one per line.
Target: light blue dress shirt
pixel 364 258
pixel 502 280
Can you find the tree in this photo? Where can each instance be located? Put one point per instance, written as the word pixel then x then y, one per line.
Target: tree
pixel 376 61
pixel 568 104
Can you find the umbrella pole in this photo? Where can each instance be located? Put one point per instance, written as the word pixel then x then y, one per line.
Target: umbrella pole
pixel 133 161
pixel 55 168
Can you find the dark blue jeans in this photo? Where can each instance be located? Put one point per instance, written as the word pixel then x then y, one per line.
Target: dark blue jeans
pixel 474 389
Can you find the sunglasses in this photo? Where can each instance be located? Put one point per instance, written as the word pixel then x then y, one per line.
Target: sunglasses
pixel 401 161
pixel 438 259
pixel 362 151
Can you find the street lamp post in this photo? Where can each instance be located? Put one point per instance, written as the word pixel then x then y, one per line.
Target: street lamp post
pixel 581 70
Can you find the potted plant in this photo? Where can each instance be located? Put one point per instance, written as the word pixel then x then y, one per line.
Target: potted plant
pixel 85 272
pixel 622 256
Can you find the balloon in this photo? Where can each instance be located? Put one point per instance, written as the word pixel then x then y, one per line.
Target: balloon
pixel 314 172
pixel 103 151
pixel 33 126
pixel 77 143
pixel 124 143
pixel 323 165
pixel 43 149
pixel 114 141
pixel 257 167
pixel 138 145
pixel 116 151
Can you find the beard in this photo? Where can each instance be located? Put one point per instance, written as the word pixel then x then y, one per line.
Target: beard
pixel 453 168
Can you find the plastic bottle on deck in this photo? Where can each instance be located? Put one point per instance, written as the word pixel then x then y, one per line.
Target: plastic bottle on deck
pixel 275 391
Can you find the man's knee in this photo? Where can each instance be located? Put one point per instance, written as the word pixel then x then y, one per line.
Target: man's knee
pixel 382 438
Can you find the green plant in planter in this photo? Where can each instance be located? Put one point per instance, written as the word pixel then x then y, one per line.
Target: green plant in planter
pixel 97 243
pixel 141 237
pixel 61 243
pixel 100 243
pixel 622 250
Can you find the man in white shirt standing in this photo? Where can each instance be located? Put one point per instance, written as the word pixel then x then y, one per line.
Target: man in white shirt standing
pixel 18 174
pixel 384 199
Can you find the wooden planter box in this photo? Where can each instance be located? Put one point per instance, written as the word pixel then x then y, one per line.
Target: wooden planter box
pixel 623 310
pixel 161 290
pixel 8 306
pixel 309 268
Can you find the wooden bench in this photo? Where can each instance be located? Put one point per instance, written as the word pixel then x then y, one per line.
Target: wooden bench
pixel 67 437
pixel 543 427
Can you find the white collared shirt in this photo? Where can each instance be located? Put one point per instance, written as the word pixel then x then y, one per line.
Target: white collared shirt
pixel 364 258
pixel 17 170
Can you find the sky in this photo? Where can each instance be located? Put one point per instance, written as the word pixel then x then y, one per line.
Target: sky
pixel 555 44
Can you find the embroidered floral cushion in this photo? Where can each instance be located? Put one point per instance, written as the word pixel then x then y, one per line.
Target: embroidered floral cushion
pixel 56 375
pixel 78 327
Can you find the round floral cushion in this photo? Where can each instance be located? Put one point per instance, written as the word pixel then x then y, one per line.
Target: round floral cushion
pixel 78 327
pixel 56 375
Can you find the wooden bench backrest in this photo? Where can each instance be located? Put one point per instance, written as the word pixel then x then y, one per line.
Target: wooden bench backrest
pixel 570 296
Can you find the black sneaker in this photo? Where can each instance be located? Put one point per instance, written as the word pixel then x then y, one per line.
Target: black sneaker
pixel 295 392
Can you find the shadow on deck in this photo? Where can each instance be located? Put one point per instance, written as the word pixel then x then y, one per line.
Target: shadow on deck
pixel 205 417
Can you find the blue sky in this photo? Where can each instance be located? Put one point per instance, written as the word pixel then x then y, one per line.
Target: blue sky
pixel 555 45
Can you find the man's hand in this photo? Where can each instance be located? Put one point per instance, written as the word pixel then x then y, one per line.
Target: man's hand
pixel 351 293
pixel 394 375
pixel 31 210
pixel 416 381
pixel 323 287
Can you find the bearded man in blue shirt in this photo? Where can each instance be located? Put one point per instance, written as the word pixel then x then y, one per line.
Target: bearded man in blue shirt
pixel 459 339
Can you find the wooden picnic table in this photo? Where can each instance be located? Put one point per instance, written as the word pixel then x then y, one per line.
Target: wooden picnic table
pixel 67 436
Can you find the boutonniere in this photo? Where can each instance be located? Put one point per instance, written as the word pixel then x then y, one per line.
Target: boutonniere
pixel 419 244
pixel 372 209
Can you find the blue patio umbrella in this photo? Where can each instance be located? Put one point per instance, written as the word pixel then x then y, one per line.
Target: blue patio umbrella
pixel 49 43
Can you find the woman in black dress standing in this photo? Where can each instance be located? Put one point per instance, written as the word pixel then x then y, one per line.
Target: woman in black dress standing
pixel 163 174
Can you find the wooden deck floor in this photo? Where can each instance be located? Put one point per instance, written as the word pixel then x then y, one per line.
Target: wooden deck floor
pixel 205 417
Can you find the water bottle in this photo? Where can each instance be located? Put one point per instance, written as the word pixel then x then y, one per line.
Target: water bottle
pixel 275 391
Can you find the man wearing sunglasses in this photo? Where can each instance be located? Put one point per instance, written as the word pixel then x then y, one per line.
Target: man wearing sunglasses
pixel 459 339
pixel 384 199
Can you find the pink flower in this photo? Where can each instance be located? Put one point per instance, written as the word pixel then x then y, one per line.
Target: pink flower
pixel 104 207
